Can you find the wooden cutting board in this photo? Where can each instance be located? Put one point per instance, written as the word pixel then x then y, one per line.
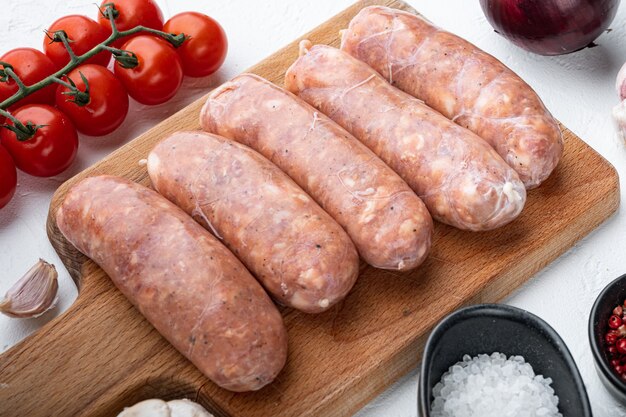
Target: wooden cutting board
pixel 101 355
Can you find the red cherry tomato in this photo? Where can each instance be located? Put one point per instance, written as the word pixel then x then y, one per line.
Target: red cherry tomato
pixel 159 74
pixel 53 147
pixel 31 66
pixel 8 177
pixel 84 33
pixel 132 13
pixel 108 101
pixel 205 50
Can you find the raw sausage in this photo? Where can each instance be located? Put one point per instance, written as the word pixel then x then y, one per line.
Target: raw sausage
pixel 387 222
pixel 464 83
pixel 462 180
pixel 295 249
pixel 186 283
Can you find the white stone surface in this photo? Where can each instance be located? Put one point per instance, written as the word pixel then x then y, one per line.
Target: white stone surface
pixel 577 88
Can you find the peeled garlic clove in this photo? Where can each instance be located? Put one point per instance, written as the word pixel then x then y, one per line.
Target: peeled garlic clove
pixel 34 294
pixel 187 408
pixel 619 116
pixel 147 408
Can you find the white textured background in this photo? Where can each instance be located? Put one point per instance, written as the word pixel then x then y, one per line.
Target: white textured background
pixel 577 88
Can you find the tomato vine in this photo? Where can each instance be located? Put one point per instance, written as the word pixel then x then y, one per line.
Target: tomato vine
pixel 126 58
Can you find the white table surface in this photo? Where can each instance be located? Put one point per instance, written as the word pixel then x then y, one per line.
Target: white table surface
pixel 577 88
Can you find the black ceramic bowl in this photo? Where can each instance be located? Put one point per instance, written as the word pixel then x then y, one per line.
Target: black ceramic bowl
pixel 489 328
pixel 611 296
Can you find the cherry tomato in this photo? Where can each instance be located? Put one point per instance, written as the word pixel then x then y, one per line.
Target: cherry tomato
pixel 8 177
pixel 205 50
pixel 132 13
pixel 108 101
pixel 53 147
pixel 159 74
pixel 84 33
pixel 31 66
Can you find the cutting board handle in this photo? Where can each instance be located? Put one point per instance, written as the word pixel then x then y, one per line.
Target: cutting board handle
pixel 84 352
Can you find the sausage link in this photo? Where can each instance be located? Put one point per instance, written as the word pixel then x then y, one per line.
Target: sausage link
pixel 464 83
pixel 462 180
pixel 387 222
pixel 187 284
pixel 295 249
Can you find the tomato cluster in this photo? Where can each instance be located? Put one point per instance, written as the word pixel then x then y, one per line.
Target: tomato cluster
pixel 55 113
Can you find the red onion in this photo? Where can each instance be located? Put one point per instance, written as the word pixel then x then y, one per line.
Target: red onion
pixel 550 27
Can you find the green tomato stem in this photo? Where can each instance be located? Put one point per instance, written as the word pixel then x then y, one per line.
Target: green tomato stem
pixel 8 115
pixel 81 98
pixel 63 83
pixel 66 43
pixel 20 85
pixel 22 131
pixel 75 61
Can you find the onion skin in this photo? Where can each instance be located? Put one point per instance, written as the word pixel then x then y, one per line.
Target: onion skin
pixel 550 27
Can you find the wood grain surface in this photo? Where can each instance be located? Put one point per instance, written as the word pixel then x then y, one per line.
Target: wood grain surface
pixel 102 355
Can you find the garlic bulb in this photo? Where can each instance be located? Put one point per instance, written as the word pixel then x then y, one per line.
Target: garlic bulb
pixel 34 294
pixel 147 408
pixel 160 408
pixel 187 408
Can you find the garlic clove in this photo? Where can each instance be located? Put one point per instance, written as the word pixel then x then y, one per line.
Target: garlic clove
pixel 147 408
pixel 34 294
pixel 187 408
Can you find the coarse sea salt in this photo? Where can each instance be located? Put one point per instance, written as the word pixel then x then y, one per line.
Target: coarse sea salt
pixel 494 386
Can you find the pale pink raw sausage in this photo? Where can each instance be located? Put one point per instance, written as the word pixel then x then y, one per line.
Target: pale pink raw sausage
pixel 192 289
pixel 462 180
pixel 295 249
pixel 387 222
pixel 464 83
